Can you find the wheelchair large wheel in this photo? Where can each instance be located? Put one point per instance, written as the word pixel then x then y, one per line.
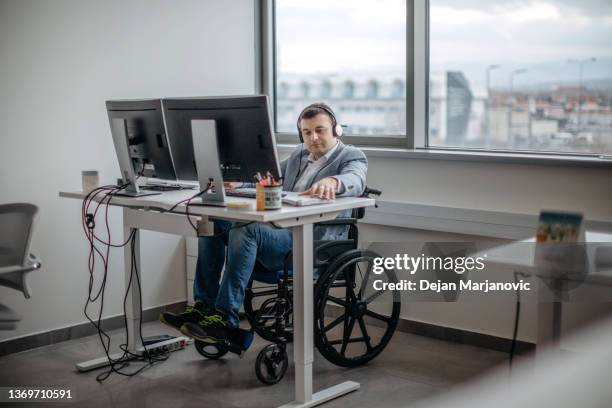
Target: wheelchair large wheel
pixel 260 304
pixel 345 299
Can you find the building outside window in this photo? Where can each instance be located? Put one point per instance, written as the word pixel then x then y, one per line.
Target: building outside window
pixel 352 54
pixel 514 75
pixel 507 75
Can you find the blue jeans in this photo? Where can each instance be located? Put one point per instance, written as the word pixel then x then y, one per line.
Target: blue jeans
pixel 246 244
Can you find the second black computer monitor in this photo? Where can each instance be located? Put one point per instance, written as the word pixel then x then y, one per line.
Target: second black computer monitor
pixel 146 136
pixel 246 144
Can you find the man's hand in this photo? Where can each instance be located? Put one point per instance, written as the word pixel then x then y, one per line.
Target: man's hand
pixel 325 188
pixel 232 185
pixel 229 184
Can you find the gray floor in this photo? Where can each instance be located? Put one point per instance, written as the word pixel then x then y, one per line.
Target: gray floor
pixel 411 368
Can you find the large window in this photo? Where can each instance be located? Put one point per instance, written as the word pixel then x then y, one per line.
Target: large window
pixel 501 75
pixel 521 75
pixel 350 54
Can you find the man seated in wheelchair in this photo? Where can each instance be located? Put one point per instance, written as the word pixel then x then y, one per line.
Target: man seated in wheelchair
pixel 320 166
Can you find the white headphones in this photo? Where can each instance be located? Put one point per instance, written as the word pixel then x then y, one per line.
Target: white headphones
pixel 336 128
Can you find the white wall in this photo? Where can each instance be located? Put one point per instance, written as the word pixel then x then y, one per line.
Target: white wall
pixel 61 60
pixel 513 188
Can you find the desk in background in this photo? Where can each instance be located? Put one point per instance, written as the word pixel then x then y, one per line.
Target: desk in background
pixel 521 257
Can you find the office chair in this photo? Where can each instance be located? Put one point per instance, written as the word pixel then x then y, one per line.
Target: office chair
pixel 15 260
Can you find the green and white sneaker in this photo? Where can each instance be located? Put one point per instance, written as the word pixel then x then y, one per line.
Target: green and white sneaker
pixel 191 314
pixel 214 329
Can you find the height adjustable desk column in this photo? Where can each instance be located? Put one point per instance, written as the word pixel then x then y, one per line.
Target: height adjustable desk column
pixel 143 213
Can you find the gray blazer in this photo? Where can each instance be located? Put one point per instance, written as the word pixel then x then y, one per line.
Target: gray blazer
pixel 348 164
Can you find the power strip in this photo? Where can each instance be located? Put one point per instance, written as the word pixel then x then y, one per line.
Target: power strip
pixel 162 347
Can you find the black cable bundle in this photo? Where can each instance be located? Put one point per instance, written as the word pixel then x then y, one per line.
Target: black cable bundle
pixel 517 315
pixel 89 225
pixel 188 203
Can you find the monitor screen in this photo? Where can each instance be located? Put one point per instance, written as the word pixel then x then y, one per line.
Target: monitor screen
pixel 148 145
pixel 244 135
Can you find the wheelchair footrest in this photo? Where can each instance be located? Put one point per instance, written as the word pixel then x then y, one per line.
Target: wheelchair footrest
pixel 240 342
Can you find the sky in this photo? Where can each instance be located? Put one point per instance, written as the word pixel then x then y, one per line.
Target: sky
pixel 317 36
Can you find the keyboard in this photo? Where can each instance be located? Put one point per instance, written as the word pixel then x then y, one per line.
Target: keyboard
pixel 245 192
pixel 302 201
pixel 166 187
pixel 288 198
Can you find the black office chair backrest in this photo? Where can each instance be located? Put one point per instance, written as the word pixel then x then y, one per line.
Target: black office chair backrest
pixel 15 231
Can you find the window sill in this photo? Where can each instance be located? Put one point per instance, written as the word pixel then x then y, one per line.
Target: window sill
pixel 455 220
pixel 476 156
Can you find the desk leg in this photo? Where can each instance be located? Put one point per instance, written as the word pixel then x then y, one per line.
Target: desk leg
pixel 303 325
pixel 303 312
pixel 548 328
pixel 132 306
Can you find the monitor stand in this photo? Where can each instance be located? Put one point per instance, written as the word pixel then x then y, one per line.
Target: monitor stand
pixel 122 143
pixel 206 154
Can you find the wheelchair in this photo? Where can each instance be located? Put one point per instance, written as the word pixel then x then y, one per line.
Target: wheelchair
pixel 341 302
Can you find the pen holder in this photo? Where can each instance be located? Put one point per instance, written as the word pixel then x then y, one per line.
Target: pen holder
pixel 260 197
pixel 269 197
pixel 273 197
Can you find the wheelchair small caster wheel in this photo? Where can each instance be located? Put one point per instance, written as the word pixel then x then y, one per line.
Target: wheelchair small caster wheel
pixel 271 364
pixel 211 351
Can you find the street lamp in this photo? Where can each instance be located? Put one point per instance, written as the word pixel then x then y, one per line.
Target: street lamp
pixel 511 103
pixel 581 64
pixel 487 104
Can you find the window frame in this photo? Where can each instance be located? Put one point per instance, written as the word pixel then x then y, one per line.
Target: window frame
pixel 268 82
pixel 417 100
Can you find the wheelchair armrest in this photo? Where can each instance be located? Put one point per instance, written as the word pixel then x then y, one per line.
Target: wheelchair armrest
pixel 327 251
pixel 323 252
pixel 339 221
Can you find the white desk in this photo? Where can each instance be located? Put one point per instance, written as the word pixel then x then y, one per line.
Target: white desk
pixel 143 213
pixel 520 256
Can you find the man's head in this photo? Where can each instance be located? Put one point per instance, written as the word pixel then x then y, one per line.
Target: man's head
pixel 318 129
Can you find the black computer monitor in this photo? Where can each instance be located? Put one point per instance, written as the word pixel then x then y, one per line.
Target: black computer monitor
pixel 245 141
pixel 141 123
